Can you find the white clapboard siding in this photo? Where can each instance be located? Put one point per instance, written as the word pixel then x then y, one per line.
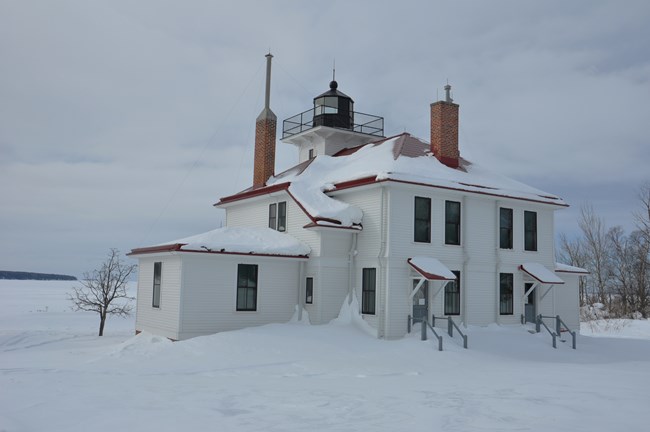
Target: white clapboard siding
pixel 567 303
pixel 210 293
pixel 255 213
pixel 164 319
pixel 478 258
pixel 398 303
pixel 249 213
pixel 333 272
pixel 198 294
pixel 369 201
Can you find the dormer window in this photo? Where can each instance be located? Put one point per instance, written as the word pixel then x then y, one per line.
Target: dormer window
pixel 278 216
pixel 282 216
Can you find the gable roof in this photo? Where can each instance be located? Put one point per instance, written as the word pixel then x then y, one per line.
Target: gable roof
pixel 403 159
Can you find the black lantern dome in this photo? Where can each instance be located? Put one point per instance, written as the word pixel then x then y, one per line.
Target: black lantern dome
pixel 334 109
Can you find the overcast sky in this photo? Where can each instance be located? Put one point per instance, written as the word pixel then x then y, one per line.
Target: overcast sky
pixel 122 122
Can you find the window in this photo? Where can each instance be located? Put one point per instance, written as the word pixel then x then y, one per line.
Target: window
pixel 530 231
pixel 157 279
pixel 452 296
pixel 505 293
pixel 246 287
pixel 505 228
pixel 452 222
pixel 311 153
pixel 422 220
pixel 278 216
pixel 309 290
pixel 326 105
pixel 368 284
pixel 273 219
pixel 282 216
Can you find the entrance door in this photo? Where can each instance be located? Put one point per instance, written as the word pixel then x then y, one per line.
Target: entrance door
pixel 421 301
pixel 530 310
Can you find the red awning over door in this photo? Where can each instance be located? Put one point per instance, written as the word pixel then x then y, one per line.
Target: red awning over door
pixel 541 274
pixel 430 268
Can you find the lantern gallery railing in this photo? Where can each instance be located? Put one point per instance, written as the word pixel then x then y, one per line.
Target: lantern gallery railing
pixel 357 122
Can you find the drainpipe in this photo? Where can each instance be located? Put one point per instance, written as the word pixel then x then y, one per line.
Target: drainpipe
pixel 383 253
pixel 386 254
pixel 351 256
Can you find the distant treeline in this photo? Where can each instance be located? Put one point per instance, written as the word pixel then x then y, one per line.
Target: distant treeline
pixel 18 275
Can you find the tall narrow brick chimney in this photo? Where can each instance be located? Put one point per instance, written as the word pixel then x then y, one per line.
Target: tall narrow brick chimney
pixel 444 130
pixel 265 128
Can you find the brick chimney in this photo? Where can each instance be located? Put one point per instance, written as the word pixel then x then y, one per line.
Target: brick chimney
pixel 444 130
pixel 265 130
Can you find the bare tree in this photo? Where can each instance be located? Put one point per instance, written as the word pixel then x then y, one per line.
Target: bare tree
pixel 642 216
pixel 619 264
pixel 572 252
pixel 641 272
pixel 641 239
pixel 104 289
pixel 623 258
pixel 597 248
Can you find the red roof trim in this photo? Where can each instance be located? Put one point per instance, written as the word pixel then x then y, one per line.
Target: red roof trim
pixel 427 275
pixel 369 180
pixel 355 183
pixel 311 218
pixel 521 267
pixel 177 248
pixel 572 272
pixel 355 227
pixel 253 193
pixel 155 249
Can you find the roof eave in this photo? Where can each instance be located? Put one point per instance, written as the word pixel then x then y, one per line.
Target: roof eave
pixel 177 248
pixel 266 190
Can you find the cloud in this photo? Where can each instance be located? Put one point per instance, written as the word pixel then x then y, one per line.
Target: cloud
pixel 121 123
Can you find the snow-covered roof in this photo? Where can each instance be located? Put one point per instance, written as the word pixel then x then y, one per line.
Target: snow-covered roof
pixel 248 240
pixel 402 158
pixel 430 268
pixel 565 268
pixel 541 273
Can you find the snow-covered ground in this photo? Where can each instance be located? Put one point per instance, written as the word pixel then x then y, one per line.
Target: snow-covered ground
pixel 57 375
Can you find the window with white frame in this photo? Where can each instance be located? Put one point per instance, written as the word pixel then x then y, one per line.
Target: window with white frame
pixel 278 216
pixel 506 284
pixel 452 296
pixel 309 290
pixel 505 228
pixel 452 222
pixel 157 282
pixel 247 287
pixel 368 290
pixel 422 220
pixel 530 231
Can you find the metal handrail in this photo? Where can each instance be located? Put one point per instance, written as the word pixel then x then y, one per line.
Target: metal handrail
pixel 434 333
pixel 558 327
pixel 540 322
pixel 363 123
pixel 450 329
pixel 423 329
